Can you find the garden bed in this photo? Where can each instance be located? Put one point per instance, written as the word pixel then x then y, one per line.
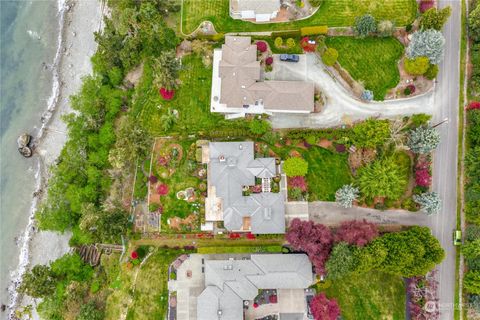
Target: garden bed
pixel 177 185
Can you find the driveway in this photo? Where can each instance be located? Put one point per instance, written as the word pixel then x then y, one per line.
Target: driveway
pixel 339 104
pixel 329 213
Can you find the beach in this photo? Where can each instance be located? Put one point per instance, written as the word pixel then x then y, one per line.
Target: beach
pixel 78 20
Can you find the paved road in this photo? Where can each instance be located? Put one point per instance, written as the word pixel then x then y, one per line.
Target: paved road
pixel 339 105
pixel 445 158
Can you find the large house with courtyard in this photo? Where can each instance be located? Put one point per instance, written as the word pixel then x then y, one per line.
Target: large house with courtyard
pixel 232 170
pixel 239 87
pixel 237 287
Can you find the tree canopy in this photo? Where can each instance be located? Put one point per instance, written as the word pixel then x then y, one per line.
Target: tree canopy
pixel 434 18
pixel 382 178
pixel 429 43
pixel 365 25
pixel 371 133
pixel 295 166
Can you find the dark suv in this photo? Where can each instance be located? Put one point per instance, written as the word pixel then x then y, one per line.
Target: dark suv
pixel 290 57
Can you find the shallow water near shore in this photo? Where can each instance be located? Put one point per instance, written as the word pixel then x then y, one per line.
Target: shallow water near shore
pixel 29 40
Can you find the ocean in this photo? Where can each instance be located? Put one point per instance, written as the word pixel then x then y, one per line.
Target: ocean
pixel 29 38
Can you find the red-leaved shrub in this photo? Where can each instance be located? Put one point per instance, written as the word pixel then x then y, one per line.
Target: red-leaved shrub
pixel 162 189
pixel 152 179
pixel 474 105
pixel 167 94
pixel 134 255
pixel 306 46
pixel 356 232
pixel 314 239
pixel 261 46
pixel 269 61
pixel 423 178
pixel 425 5
pixel 298 182
pixel 324 308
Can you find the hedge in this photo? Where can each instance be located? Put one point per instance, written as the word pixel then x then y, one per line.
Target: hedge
pixel 239 249
pixel 308 31
pixel 286 34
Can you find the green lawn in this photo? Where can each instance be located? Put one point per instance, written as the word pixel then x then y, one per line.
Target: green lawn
pixel 327 172
pixel 372 61
pixel 192 100
pixel 374 296
pixel 334 13
pixel 150 300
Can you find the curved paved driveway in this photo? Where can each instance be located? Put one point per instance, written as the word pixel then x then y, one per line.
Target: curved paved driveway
pixel 339 103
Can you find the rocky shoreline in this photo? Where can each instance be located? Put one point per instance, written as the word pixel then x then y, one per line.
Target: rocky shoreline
pixel 81 20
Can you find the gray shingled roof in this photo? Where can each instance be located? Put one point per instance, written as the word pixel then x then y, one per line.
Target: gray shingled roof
pixel 241 85
pixel 259 6
pixel 214 303
pixel 230 282
pixel 232 166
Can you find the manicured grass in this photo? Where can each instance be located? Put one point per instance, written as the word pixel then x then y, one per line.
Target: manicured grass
pixel 327 172
pixel 374 296
pixel 240 249
pixel 334 13
pixel 371 61
pixel 192 101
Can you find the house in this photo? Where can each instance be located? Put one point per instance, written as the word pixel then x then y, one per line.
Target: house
pixel 231 170
pixel 257 10
pixel 238 87
pixel 232 285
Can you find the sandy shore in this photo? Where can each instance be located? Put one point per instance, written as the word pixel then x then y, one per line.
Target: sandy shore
pixel 81 19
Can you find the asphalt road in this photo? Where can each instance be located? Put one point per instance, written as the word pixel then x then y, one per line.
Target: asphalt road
pixel 445 157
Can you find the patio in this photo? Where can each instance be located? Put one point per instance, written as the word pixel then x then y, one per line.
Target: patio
pixel 288 301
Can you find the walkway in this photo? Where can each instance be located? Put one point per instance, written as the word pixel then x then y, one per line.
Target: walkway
pixel 339 105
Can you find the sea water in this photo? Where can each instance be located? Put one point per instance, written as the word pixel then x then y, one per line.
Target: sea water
pixel 29 38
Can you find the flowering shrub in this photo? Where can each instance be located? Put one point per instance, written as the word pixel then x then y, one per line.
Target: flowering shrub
pixel 256 188
pixel 423 302
pixel 152 179
pixel 423 178
pixel 269 61
pixel 323 308
pixel 163 161
pixel 162 189
pixel 261 46
pixel 134 255
pixel 298 182
pixel 474 105
pixel 425 5
pixel 167 94
pixel 306 46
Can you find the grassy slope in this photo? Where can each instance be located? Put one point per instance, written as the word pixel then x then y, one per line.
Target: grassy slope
pixel 192 100
pixel 151 291
pixel 327 172
pixel 372 296
pixel 372 61
pixel 334 13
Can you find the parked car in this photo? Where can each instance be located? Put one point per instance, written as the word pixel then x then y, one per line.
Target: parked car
pixel 290 57
pixel 457 237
